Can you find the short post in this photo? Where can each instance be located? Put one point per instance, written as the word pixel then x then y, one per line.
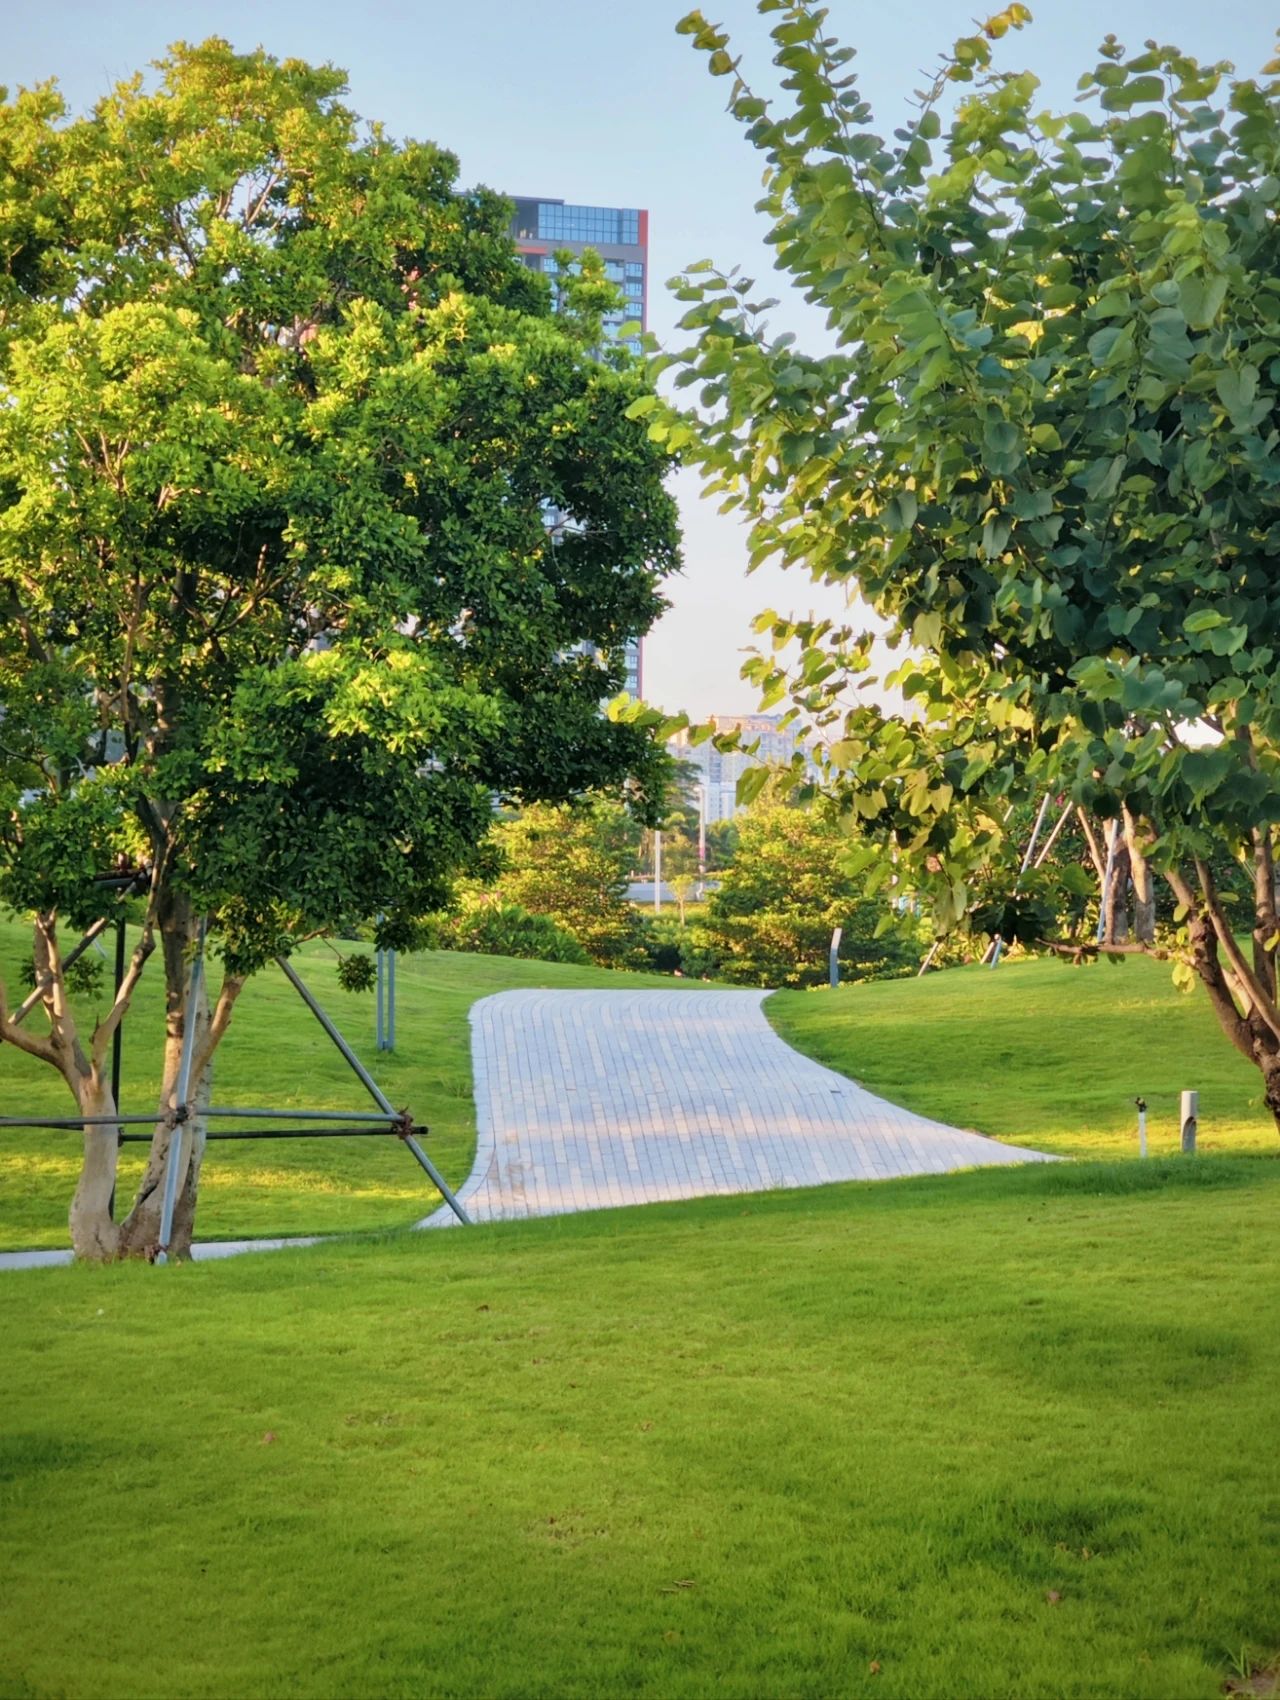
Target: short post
pixel 1189 1116
pixel 657 871
pixel 1142 1126
pixel 833 961
pixel 386 1022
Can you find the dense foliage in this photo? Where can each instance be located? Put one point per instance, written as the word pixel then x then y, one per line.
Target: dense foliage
pixel 572 863
pixel 1045 449
pixel 488 926
pixel 283 417
pixel 770 921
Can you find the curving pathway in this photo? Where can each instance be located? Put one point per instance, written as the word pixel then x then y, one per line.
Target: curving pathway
pixel 590 1099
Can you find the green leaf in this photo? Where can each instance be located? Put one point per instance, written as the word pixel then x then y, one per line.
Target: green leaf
pixel 1201 298
pixel 750 784
pixel 1204 621
pixel 900 511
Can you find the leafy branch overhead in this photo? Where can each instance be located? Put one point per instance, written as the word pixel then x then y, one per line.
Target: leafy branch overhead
pixel 1043 449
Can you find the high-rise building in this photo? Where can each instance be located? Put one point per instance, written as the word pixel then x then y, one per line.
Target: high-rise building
pixel 720 770
pixel 620 235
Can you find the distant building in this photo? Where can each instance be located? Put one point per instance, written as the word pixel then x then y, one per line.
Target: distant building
pixel 719 771
pixel 620 235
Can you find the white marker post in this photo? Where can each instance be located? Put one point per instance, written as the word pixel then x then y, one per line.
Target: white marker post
pixel 1142 1126
pixel 1189 1118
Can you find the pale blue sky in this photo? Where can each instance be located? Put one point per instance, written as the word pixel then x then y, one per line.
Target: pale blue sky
pixel 602 103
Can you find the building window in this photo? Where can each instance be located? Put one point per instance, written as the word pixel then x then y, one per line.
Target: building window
pixel 594 225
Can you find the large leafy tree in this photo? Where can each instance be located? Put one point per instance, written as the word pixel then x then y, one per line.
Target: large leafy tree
pixel 1045 449
pixel 282 416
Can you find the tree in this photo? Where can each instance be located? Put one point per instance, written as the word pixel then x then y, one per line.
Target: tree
pixel 770 921
pixel 571 862
pixel 282 416
pixel 1045 451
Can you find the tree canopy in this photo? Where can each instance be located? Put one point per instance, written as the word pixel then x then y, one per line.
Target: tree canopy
pixel 1043 448
pixel 283 417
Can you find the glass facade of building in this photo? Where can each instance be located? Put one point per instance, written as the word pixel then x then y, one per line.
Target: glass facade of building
pixel 620 235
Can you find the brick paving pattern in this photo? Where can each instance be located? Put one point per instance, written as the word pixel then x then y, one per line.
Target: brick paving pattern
pixel 590 1099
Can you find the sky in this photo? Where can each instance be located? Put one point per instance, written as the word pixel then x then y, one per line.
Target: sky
pixel 602 103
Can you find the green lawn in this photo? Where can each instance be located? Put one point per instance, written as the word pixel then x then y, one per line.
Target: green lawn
pixel 1002 1434
pixel 275 1056
pixel 1039 1053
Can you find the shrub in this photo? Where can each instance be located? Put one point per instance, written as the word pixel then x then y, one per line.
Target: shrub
pixel 490 926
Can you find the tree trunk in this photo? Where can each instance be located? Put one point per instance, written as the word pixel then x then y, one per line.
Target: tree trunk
pixel 94 1235
pixel 1144 891
pixel 140 1232
pixel 1249 1024
pixel 1115 911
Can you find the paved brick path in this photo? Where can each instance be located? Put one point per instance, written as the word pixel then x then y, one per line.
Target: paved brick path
pixel 591 1099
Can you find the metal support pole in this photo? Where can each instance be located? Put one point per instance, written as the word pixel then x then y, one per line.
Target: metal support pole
pixel 173 1162
pixel 391 1000
pixel 118 1036
pixel 440 1182
pixel 377 958
pixel 370 1084
pixel 1106 880
pixel 1052 839
pixel 928 961
pixel 657 870
pixel 997 944
pixel 833 960
pixel 1189 1118
pixel 352 1060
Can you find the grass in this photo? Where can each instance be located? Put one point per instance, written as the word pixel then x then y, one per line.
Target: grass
pixel 275 1056
pixel 1003 1433
pixel 1040 1054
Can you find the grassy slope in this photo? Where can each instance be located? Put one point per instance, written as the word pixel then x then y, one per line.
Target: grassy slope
pixel 1039 1053
pixel 275 1056
pixel 1008 1434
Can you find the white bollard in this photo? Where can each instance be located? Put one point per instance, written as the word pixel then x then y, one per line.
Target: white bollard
pixel 1142 1126
pixel 1188 1118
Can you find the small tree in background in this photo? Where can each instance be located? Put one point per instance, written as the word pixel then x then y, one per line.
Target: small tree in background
pixel 572 863
pixel 1046 451
pixel 770 922
pixel 281 414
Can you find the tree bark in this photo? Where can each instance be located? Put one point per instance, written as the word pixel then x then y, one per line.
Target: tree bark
pixel 94 1234
pixel 1115 911
pixel 1144 891
pixel 140 1231
pixel 1248 1024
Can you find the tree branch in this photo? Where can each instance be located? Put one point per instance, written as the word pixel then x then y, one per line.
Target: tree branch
pixel 32 1043
pixel 104 1031
pixel 1258 994
pixel 1079 949
pixel 219 1021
